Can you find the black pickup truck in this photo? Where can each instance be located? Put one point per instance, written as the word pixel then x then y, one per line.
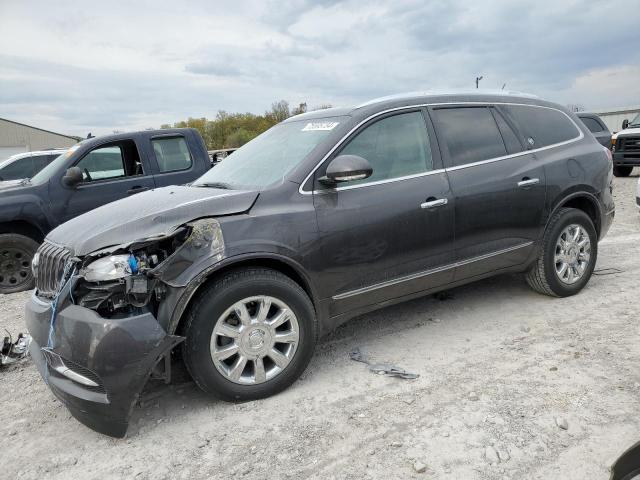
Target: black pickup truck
pixel 90 174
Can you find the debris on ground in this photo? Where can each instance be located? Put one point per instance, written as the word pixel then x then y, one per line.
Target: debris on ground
pixel 562 423
pixel 419 467
pixel 491 455
pixel 382 368
pixel 14 351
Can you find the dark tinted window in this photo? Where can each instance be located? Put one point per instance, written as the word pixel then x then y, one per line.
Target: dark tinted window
pixel 543 126
pixel 469 134
pixel 40 161
pixel 21 168
pixel 508 135
pixel 394 146
pixel 592 124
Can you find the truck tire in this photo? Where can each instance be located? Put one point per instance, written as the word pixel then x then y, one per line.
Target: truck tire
pixel 16 253
pixel 249 334
pixel 568 254
pixel 620 171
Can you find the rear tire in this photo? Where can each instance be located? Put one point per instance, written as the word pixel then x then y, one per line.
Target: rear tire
pixel 567 256
pixel 16 253
pixel 620 171
pixel 238 313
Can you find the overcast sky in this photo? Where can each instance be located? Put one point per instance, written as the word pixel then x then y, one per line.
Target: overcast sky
pixel 81 66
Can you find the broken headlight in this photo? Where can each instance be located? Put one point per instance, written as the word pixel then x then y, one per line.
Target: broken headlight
pixel 136 275
pixel 112 267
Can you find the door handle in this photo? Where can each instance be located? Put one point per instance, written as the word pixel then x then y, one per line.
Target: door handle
pixel 434 203
pixel 137 189
pixel 527 182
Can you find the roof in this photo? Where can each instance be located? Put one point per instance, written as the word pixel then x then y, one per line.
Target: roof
pixel 101 139
pixel 417 98
pixel 436 93
pixel 41 129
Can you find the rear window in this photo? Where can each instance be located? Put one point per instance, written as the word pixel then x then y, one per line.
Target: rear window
pixel 592 124
pixel 470 134
pixel 172 154
pixel 543 126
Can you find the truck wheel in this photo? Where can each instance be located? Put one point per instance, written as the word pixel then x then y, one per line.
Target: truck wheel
pixel 16 252
pixel 568 255
pixel 249 334
pixel 622 171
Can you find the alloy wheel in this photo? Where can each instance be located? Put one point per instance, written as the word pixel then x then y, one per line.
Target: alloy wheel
pixel 573 254
pixel 254 340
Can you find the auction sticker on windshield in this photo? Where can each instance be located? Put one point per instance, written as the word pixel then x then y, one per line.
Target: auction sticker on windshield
pixel 314 126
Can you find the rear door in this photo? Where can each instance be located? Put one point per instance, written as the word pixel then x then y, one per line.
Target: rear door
pixel 499 188
pixel 391 234
pixel 110 172
pixel 173 160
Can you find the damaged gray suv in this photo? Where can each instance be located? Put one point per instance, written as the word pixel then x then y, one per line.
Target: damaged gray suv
pixel 326 216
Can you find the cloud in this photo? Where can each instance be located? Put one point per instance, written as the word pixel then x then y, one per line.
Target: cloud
pixel 122 65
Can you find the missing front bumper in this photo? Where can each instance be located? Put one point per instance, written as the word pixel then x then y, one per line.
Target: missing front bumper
pixel 98 366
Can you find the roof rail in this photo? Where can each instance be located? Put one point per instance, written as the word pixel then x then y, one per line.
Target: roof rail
pixel 431 93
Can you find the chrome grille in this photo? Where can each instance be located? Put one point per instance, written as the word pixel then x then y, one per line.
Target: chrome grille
pixel 49 267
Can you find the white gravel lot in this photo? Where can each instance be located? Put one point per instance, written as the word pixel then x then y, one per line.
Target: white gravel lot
pixel 499 367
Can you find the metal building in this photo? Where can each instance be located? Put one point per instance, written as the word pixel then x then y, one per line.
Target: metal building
pixel 613 117
pixel 18 138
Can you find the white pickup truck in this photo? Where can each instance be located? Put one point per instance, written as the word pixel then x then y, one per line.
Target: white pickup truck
pixel 625 146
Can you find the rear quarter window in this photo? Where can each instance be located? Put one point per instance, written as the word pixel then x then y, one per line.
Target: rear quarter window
pixel 592 124
pixel 544 126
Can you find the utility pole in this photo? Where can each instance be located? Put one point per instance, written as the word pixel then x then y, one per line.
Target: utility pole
pixel 478 80
pixel 504 85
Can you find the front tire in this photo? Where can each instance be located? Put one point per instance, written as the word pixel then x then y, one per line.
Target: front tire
pixel 249 335
pixel 567 256
pixel 620 171
pixel 16 253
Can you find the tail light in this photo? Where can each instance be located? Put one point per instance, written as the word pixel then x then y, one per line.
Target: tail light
pixel 608 153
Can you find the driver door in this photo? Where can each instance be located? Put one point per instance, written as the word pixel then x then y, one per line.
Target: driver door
pixel 389 235
pixel 110 172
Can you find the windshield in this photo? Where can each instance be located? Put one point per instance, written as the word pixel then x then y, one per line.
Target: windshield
pixel 635 122
pixel 269 157
pixel 44 174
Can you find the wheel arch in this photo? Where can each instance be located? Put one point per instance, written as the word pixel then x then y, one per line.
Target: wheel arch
pixel 284 265
pixel 584 201
pixel 23 227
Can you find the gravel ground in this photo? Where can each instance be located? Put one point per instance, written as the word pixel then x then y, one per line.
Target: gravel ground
pixel 502 370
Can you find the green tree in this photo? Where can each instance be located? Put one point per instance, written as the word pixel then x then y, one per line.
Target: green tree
pixel 231 130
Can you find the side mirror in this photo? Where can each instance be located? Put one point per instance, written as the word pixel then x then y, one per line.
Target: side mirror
pixel 345 168
pixel 625 123
pixel 72 177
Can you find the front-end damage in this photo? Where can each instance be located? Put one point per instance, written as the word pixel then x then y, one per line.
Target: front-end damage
pixel 100 335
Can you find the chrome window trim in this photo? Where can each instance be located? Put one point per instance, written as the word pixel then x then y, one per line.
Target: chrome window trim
pixel 431 172
pixel 415 276
pixel 377 182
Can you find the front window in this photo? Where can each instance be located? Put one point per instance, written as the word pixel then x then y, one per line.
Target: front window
pixel 268 158
pixel 635 122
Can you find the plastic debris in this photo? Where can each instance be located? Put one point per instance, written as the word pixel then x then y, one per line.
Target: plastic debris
pixel 381 368
pixel 14 351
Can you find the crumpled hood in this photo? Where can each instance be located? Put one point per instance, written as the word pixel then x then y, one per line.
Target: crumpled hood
pixel 147 214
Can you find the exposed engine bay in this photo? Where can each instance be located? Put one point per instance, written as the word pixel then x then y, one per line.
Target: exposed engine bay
pixel 129 279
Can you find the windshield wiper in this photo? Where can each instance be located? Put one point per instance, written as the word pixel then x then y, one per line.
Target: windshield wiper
pixel 221 185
